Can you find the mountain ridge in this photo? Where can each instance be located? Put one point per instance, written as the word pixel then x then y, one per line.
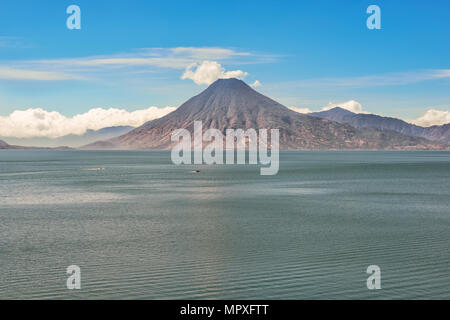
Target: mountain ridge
pixel 362 120
pixel 71 140
pixel 6 146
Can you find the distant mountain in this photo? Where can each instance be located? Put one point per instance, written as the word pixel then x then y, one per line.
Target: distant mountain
pixel 107 133
pixel 71 140
pixel 360 120
pixel 232 104
pixel 6 146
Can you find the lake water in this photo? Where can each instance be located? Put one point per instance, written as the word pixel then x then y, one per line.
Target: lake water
pixel 143 228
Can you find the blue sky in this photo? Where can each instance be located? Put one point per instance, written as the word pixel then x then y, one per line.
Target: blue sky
pixel 304 53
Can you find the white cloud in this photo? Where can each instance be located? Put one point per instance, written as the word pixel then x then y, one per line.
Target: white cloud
pixel 41 123
pixel 209 71
pixel 7 73
pixel 140 60
pixel 432 117
pixel 386 79
pixel 12 42
pixel 351 105
pixel 256 84
pixel 205 53
pixel 300 110
pixel 173 58
pixel 122 62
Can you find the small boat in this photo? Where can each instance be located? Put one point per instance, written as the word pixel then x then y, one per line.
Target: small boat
pixel 94 169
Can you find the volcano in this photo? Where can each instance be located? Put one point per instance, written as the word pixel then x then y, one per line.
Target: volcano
pixel 232 104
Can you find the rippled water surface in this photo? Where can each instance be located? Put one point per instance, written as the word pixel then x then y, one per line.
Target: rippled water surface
pixel 146 229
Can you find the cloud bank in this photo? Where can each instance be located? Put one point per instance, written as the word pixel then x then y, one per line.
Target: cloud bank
pixel 41 123
pixel 209 71
pixel 432 117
